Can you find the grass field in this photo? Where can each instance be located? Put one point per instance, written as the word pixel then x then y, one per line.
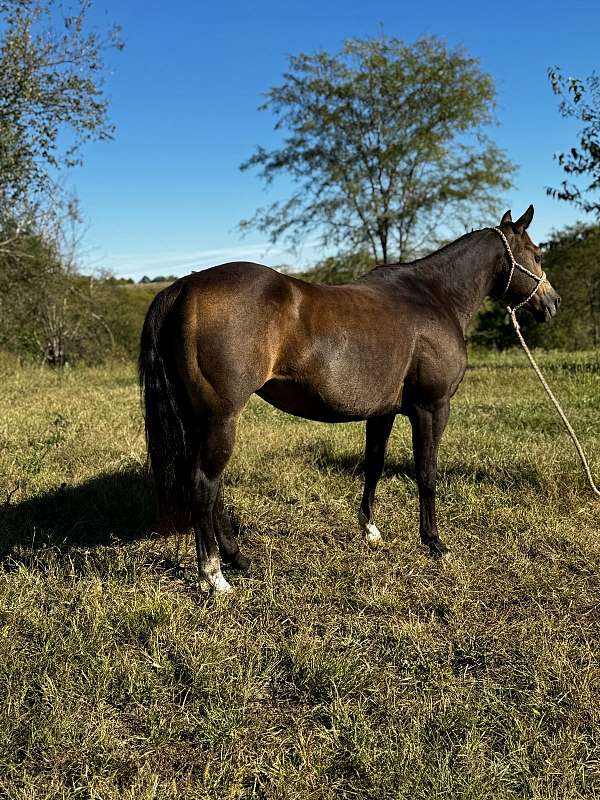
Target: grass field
pixel 334 672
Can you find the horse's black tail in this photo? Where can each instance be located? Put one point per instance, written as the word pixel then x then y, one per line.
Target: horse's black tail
pixel 168 415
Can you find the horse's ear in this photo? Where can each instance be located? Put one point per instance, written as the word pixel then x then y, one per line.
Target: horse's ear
pixel 506 218
pixel 524 222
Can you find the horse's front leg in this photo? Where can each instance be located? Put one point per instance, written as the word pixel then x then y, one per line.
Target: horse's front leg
pixel 428 424
pixel 378 433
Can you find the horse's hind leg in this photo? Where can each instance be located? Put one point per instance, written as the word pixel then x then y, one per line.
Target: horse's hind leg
pixel 215 445
pixel 228 546
pixel 378 433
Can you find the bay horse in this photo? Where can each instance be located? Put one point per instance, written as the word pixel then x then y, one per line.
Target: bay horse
pixel 392 342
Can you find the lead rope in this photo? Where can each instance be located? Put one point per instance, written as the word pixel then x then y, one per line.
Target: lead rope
pixel 513 317
pixel 550 393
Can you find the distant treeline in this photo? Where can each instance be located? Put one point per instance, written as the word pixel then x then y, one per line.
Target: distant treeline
pixel 53 314
pixel 144 279
pixel 158 279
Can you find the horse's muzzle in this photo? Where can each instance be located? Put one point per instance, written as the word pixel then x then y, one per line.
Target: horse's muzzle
pixel 548 305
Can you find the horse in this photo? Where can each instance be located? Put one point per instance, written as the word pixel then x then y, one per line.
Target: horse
pixel 391 342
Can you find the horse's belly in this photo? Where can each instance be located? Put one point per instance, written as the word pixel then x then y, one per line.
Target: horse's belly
pixel 332 405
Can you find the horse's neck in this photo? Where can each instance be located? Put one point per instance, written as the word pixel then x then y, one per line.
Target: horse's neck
pixel 463 273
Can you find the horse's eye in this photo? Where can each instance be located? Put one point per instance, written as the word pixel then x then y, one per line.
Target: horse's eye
pixel 538 258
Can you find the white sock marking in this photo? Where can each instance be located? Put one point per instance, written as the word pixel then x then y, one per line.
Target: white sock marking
pixel 212 575
pixel 371 531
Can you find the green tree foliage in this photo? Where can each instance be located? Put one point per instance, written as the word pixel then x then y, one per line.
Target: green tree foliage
pixel 53 314
pixel 51 104
pixel 335 270
pixel 30 272
pixel 123 308
pixel 572 260
pixel 387 145
pixel 48 311
pixel 51 95
pixel 580 99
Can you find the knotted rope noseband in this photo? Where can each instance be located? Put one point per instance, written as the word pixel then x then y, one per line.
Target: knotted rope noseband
pixel 539 279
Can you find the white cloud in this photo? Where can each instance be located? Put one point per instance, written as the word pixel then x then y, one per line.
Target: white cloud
pixel 180 262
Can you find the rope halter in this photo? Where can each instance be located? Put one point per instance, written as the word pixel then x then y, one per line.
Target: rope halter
pixel 539 279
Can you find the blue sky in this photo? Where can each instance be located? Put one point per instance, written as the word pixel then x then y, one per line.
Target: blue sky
pixel 166 195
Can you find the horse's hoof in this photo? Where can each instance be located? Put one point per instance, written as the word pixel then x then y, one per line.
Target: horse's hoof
pixel 215 584
pixel 371 532
pixel 245 565
pixel 373 537
pixel 220 585
pixel 438 551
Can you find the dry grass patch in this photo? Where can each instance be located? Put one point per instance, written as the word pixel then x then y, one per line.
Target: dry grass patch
pixel 334 671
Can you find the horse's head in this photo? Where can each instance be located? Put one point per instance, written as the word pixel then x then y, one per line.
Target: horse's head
pixel 517 286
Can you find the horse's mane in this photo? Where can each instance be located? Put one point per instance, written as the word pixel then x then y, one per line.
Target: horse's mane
pixel 420 261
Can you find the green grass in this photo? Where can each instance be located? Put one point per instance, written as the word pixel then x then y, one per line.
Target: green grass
pixel 334 672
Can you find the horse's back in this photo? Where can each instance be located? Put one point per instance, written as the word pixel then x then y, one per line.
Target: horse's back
pixel 326 352
pixel 310 349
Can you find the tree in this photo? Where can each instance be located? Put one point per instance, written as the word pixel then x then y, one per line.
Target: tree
pixel 580 100
pixel 47 310
pixel 51 99
pixel 572 257
pixel 387 145
pixel 51 104
pixel 30 271
pixel 338 269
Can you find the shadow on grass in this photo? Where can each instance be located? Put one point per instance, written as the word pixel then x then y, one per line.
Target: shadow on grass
pixel 112 507
pixel 321 454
